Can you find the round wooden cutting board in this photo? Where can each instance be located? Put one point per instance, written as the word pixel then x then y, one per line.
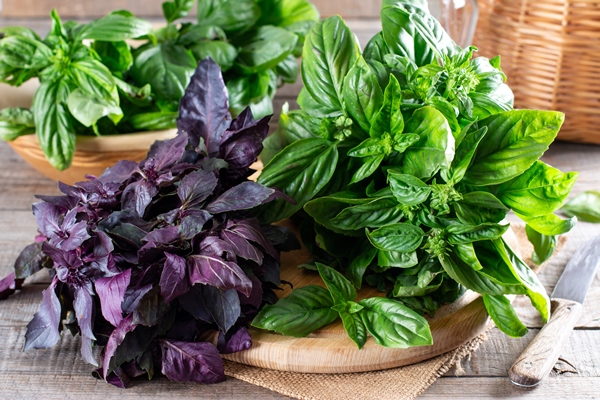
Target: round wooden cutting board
pixel 330 350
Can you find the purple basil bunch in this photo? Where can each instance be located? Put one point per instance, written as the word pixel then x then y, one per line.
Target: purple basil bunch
pixel 152 260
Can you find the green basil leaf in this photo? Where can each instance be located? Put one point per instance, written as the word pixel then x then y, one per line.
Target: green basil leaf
pixel 485 105
pixel 549 224
pixel 375 213
pixel 406 286
pixel 176 9
pixel 514 141
pixel 585 206
pixel 540 190
pixel 543 245
pixel 471 214
pixel 7 31
pixel 54 128
pixel 264 48
pixel 407 189
pixel 115 28
pixel 376 49
pixel 220 51
pixel 466 252
pixel 468 234
pixel 10 131
pixel 363 96
pixel 339 287
pixel 300 171
pixel 389 118
pixel 464 155
pixel 434 149
pixel 400 237
pixel 371 147
pixel 115 55
pixel 25 53
pixel 397 259
pixel 483 199
pixel 167 67
pixel 330 51
pixel 246 90
pixel 504 315
pixel 392 324
pixel 88 109
pixel 299 314
pixel 360 258
pixel 154 121
pixel 355 328
pixel 369 165
pixel 286 12
pixel 324 209
pixel 535 290
pixel 476 281
pixel 296 124
pixel 449 110
pixel 95 79
pixel 288 69
pixel 234 16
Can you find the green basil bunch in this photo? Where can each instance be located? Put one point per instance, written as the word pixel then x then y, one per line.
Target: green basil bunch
pixel 411 155
pixel 93 82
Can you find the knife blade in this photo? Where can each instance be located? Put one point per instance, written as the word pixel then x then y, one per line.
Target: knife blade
pixel 536 361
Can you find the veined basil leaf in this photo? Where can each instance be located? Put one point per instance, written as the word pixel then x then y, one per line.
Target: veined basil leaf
pixel 234 16
pixel 15 122
pixel 355 328
pixel 434 149
pixel 514 141
pixel 330 51
pixel 360 258
pixel 339 287
pixel 406 286
pixel 407 189
pixel 468 234
pixel 378 212
pixel 470 278
pixel 286 12
pixel 464 155
pixel 540 190
pixel 264 48
pixel 370 164
pixel 88 109
pixel 25 53
pixel 116 56
pixel 400 237
pixel 324 209
pixel 115 28
pixel 392 324
pixel 549 224
pixel 543 245
pixel 222 52
pixel 176 9
pixel 299 314
pixel 389 118
pixel 363 96
pixel 585 206
pixel 504 315
pixel 300 171
pixel 396 259
pixel 466 252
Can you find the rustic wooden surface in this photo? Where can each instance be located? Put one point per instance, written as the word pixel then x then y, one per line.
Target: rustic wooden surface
pixel 59 373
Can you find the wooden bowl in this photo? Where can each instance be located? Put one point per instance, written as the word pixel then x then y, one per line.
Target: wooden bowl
pixel 92 154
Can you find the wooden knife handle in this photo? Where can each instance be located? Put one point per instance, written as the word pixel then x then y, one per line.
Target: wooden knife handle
pixel 536 361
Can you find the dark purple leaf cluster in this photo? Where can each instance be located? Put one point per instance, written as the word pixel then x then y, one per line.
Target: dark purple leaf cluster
pixel 153 259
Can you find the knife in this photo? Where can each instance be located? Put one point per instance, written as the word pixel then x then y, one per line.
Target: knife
pixel 536 361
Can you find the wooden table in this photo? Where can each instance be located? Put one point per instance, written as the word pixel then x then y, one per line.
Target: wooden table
pixel 59 373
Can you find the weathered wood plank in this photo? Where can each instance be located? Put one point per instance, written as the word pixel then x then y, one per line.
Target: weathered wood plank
pixel 500 388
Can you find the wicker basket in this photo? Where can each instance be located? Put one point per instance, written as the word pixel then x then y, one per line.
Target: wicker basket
pixel 551 54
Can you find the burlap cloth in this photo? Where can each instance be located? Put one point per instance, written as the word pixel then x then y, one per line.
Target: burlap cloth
pixel 402 383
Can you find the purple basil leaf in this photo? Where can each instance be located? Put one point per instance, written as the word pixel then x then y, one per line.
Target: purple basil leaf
pixel 245 119
pixel 167 152
pixel 47 217
pixel 255 298
pixel 249 228
pixel 66 202
pixel 8 285
pixel 77 234
pixel 150 309
pixel 195 187
pixel 232 343
pixel 42 331
pixel 133 296
pixel 132 369
pixel 119 172
pixel 29 261
pixel 278 194
pixel 115 339
pixel 240 149
pixel 191 362
pixel 169 217
pixel 111 292
pixel 138 195
pixel 128 234
pixel 193 302
pixel 270 270
pixel 213 246
pixel 244 196
pixel 204 109
pixel 100 258
pixel 241 246
pixel 119 378
pixel 69 190
pixel 166 235
pixel 65 262
pixel 192 223
pixel 173 280
pixel 218 273
pixel 125 216
pixel 84 306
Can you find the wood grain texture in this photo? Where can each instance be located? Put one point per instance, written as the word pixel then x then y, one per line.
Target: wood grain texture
pixel 536 361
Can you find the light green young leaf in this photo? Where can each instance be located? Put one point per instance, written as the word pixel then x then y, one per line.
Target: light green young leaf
pixel 88 109
pixel 389 119
pixel 549 224
pixel 585 206
pixel 115 28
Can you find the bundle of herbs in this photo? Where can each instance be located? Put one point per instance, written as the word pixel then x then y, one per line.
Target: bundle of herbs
pixel 93 82
pixel 404 161
pixel 150 259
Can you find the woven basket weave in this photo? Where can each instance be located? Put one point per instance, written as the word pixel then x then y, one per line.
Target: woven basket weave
pixel 551 54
